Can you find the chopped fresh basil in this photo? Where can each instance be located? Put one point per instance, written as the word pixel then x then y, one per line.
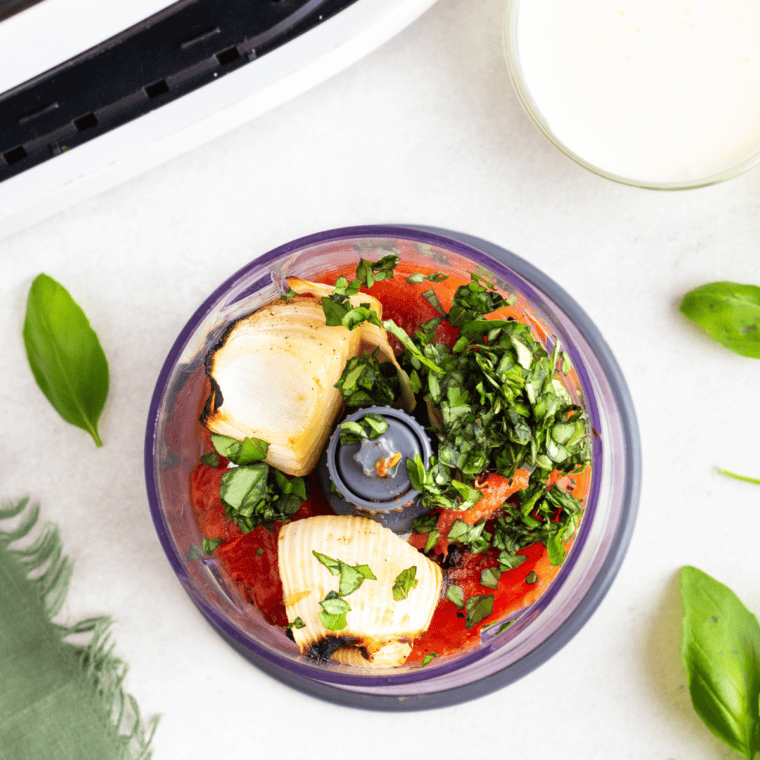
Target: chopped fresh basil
pixel 549 517
pixel 211 459
pixel 351 576
pixel 473 300
pixel 258 494
pixel 406 580
pixel 431 297
pixel 477 609
pixel 502 627
pixel 243 487
pixel 418 277
pixel 509 561
pixel 432 539
pixel 427 659
pixel 531 578
pixel 438 487
pixel 498 404
pixel 366 381
pixel 370 426
pixel 337 305
pixel 369 272
pixel 455 595
pixel 297 623
pixel 417 355
pixel 474 537
pixel 210 544
pixel 247 451
pixel 334 611
pixel 427 523
pixel 333 565
pixel 490 577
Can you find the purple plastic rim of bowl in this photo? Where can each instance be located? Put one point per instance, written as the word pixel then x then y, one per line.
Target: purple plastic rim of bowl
pixel 376 692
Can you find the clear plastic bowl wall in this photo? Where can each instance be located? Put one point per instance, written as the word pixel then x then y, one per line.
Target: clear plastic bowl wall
pixel 173 447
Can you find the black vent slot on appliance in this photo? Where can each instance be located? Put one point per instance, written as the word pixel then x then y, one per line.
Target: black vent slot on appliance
pixel 186 46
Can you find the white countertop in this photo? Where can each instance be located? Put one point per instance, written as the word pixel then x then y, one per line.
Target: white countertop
pixel 426 130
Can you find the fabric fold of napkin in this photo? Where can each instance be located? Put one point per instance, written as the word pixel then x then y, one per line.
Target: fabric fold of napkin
pixel 61 687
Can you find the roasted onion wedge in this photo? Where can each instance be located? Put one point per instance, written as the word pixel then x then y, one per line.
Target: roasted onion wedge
pixel 380 628
pixel 273 375
pixel 272 378
pixel 371 335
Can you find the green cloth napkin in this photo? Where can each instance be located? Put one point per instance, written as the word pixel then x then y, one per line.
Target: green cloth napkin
pixel 61 687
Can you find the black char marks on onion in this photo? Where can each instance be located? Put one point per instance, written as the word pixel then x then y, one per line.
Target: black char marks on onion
pixel 325 648
pixel 215 398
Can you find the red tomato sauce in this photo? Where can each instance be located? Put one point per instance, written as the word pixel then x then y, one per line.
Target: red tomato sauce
pixel 251 560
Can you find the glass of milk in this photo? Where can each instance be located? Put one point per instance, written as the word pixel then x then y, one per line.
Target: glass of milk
pixel 662 94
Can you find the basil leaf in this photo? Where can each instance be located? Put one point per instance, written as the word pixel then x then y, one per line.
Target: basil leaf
pixel 721 654
pixel 427 659
pixel 490 577
pixel 295 485
pixel 406 580
pixel 247 451
pixel 531 578
pixel 351 577
pixel 297 623
pixel 210 544
pixel 509 561
pixel 408 343
pixel 555 549
pixel 474 537
pixel 334 310
pixel 257 494
pixel 418 277
pixel 456 596
pixel 366 381
pixel 370 272
pixel 243 486
pixel 432 540
pixel 334 610
pixel 65 355
pixel 210 459
pixel 333 565
pixel 477 609
pixel 370 426
pixel 729 313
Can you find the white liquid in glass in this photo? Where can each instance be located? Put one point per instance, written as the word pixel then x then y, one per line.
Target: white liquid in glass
pixel 651 90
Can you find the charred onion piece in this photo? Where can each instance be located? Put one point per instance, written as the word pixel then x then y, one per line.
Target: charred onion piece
pixel 274 371
pixel 381 625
